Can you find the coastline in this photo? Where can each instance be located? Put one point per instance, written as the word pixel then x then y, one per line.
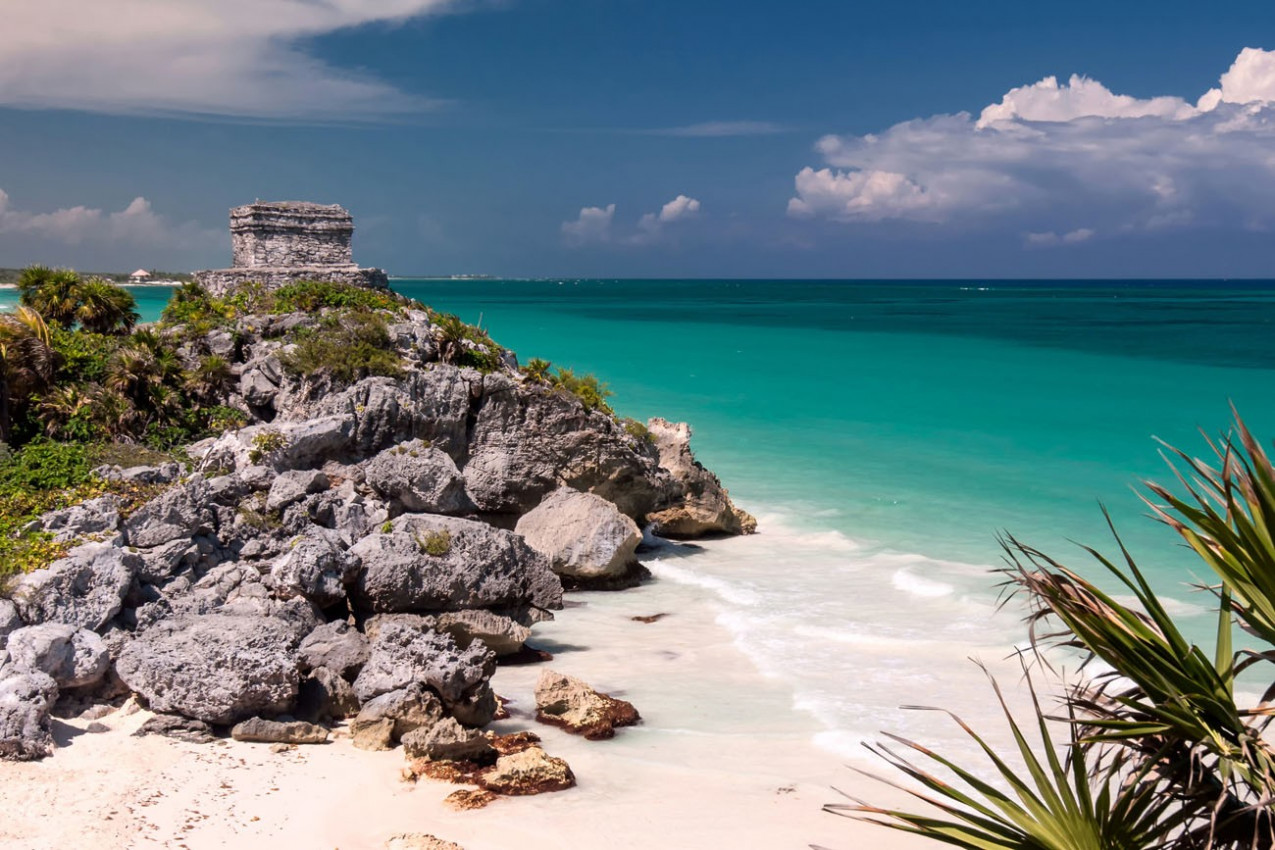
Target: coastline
pixel 697 772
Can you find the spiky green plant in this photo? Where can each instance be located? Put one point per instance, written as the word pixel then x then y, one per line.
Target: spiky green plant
pixel 1164 717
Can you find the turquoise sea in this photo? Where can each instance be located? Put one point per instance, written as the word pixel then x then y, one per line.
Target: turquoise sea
pixel 885 433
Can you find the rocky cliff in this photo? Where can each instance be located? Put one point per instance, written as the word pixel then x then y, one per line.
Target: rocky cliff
pixel 352 552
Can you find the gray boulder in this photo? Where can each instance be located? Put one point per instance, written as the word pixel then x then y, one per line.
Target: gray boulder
pixel 182 512
pixel 407 709
pixel 293 486
pixel 403 656
pixel 218 668
pixel 418 478
pixel 85 589
pixel 428 405
pixel 338 646
pixel 447 740
pixel 526 441
pixel 10 621
pixel 584 536
pixel 179 728
pixel 26 727
pixel 501 634
pixel 436 563
pixel 95 516
pixel 73 658
pixel 705 506
pixel 316 565
pixel 263 731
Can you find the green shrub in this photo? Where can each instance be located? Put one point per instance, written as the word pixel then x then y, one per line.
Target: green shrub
pixel 387 527
pixel 46 465
pixel 266 444
pixel 464 345
pixel 593 394
pixel 195 307
pixel 637 430
pixel 537 370
pixel 436 544
pixel 82 356
pixel 344 348
pixel 310 296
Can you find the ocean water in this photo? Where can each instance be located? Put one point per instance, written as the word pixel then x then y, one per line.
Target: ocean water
pixel 885 434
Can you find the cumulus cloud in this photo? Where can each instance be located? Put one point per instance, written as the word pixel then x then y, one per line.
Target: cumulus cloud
pixel 244 58
pixel 592 225
pixel 1064 161
pixel 136 224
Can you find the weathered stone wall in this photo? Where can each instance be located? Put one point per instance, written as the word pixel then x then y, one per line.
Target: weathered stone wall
pixel 221 281
pixel 277 243
pixel 290 234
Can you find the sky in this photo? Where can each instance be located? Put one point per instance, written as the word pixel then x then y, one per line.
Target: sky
pixel 650 138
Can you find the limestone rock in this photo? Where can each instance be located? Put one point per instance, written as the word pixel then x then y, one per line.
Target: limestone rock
pixel 85 589
pixel 218 668
pixel 436 563
pixel 530 771
pixel 179 728
pixel 408 709
pixel 294 485
pixel 418 478
pixel 469 799
pixel 373 735
pixel 95 516
pixel 570 704
pixel 73 658
pixel 10 621
pixel 337 646
pixel 262 731
pixel 325 696
pixel 584 536
pixel 501 634
pixel 26 727
pixel 182 512
pixel 316 565
pixel 525 442
pixel 705 506
pixel 402 656
pixel 447 740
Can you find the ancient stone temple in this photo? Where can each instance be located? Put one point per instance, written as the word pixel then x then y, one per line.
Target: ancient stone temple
pixel 275 243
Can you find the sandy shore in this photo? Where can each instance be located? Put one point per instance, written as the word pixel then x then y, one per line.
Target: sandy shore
pixel 701 771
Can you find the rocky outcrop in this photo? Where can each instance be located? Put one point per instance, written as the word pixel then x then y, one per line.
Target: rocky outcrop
pixel 178 728
pixel 218 668
pixel 435 563
pixel 419 841
pixel 570 704
pixel 345 555
pixel 705 506
pixel 447 740
pixel 584 536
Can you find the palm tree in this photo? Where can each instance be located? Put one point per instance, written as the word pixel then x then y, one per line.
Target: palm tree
pixel 53 293
pixel 29 362
pixel 209 379
pixel 105 308
pixel 1165 719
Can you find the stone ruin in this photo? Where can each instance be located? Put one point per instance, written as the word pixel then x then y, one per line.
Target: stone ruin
pixel 276 243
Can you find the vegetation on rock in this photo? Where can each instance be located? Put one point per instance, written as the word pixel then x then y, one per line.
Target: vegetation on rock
pixel 1158 751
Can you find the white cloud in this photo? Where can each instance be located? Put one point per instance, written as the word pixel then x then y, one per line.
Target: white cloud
pixel 241 58
pixel 651 225
pixel 1064 162
pixel 592 225
pixel 137 224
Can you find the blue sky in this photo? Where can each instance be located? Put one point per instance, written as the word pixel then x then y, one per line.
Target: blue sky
pixel 650 138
